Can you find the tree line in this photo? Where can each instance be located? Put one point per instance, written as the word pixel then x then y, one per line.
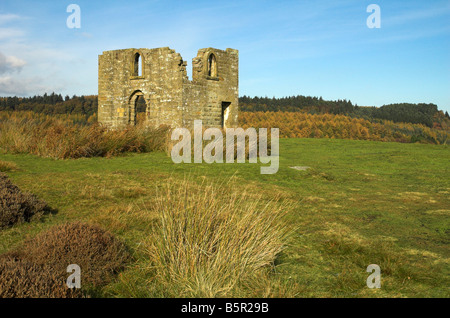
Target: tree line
pixel 52 104
pixel 424 114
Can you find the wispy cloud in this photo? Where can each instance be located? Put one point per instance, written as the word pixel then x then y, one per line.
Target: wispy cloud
pixel 419 14
pixel 8 17
pixel 409 36
pixel 8 29
pixel 10 33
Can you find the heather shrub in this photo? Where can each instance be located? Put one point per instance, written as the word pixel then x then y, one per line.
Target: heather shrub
pixel 98 253
pixel 16 206
pixel 21 278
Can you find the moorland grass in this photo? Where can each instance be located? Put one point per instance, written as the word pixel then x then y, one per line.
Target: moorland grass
pixel 360 203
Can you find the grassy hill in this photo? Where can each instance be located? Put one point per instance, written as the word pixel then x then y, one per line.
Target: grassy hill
pixel 359 203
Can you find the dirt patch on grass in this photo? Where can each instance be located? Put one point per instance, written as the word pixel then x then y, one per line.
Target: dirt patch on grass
pixel 313 199
pixel 413 196
pixel 439 212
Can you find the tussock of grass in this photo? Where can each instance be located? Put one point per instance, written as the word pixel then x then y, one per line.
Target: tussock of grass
pixel 6 166
pixel 210 239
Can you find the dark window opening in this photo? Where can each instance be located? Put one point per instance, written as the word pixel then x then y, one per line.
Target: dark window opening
pixel 212 65
pixel 225 113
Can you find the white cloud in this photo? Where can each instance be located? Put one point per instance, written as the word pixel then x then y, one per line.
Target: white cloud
pixel 8 86
pixel 25 86
pixel 9 64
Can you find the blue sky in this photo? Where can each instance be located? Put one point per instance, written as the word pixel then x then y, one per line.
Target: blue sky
pixel 317 48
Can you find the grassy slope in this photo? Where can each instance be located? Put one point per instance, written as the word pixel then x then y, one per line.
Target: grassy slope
pixel 360 203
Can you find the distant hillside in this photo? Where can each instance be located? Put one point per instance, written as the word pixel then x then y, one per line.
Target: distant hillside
pixel 304 125
pixel 425 114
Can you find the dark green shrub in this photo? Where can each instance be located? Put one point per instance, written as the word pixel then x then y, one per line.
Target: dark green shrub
pixel 17 206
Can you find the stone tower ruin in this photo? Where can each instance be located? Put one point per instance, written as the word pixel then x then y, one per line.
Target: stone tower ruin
pixel 159 76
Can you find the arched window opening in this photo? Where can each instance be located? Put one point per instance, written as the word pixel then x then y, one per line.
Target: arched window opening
pixel 137 65
pixel 212 65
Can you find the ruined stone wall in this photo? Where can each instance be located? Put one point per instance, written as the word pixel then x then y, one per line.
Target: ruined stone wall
pixel 208 95
pixel 172 99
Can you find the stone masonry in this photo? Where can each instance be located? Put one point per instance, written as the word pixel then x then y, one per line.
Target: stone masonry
pixel 159 76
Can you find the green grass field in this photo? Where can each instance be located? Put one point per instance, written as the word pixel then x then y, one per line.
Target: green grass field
pixel 360 203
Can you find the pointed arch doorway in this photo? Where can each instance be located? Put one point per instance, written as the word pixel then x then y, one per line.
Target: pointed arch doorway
pixel 138 109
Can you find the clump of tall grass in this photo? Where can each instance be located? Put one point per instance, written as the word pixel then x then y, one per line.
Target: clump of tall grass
pixel 7 166
pixel 210 239
pixel 63 137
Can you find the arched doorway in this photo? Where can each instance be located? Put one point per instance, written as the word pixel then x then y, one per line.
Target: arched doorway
pixel 137 109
